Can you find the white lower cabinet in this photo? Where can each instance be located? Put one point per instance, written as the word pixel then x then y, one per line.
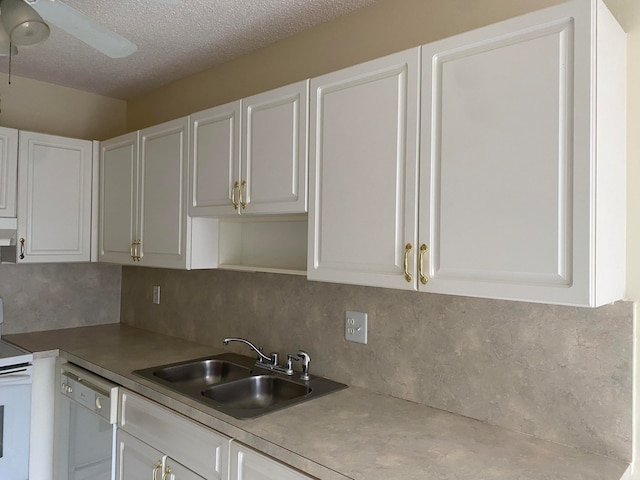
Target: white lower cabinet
pixel 154 442
pixel 136 459
pixel 247 464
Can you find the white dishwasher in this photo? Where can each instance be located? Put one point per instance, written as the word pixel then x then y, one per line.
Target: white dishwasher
pixel 86 422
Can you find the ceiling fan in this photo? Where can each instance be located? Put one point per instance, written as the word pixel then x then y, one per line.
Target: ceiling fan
pixel 25 22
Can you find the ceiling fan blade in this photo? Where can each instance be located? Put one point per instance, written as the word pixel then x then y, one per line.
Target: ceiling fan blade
pixel 84 28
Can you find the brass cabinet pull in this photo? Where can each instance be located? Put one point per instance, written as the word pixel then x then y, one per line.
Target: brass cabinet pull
pixel 22 240
pixel 233 195
pixel 137 250
pixel 407 250
pixel 243 187
pixel 423 277
pixel 166 473
pixel 157 469
pixel 133 257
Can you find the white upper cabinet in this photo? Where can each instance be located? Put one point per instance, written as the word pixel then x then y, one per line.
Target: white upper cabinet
pixel 143 209
pixel 273 172
pixel 8 171
pixel 520 191
pixel 118 198
pixel 363 170
pixel 522 173
pixel 55 199
pixel 215 159
pixel 162 214
pixel 250 156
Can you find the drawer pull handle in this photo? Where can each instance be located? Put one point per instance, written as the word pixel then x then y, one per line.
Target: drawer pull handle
pixel 22 240
pixel 167 472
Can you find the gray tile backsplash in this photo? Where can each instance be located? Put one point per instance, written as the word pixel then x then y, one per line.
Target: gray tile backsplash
pixel 560 373
pixel 45 297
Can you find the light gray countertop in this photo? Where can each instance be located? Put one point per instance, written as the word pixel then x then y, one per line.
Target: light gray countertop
pixel 350 434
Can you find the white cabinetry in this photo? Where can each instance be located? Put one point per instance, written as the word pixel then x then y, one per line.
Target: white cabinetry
pixel 143 208
pixel 152 438
pixel 247 464
pixel 8 171
pixel 136 459
pixel 362 178
pixel 522 164
pixel 261 169
pixel 522 173
pixel 54 199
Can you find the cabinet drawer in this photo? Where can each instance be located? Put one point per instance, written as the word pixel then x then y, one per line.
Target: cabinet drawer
pixel 203 450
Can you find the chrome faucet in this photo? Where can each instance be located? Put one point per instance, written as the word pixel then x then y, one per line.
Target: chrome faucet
pixel 262 358
pixel 270 362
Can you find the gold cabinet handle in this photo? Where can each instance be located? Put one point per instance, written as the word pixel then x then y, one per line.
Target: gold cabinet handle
pixel 167 472
pixel 233 195
pixel 137 244
pixel 407 250
pixel 423 277
pixel 157 469
pixel 22 240
pixel 131 251
pixel 243 188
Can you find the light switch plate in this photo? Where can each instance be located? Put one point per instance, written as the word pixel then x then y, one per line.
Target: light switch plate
pixel 356 327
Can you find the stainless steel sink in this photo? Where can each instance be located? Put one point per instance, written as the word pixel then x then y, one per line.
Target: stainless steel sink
pixel 232 384
pixel 260 391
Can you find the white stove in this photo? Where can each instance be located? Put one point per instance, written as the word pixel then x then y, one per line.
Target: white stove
pixel 16 377
pixel 11 356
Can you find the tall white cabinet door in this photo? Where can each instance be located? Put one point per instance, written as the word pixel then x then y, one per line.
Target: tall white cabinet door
pixel 215 158
pixel 118 198
pixel 363 173
pixel 273 175
pixel 163 194
pixel 247 464
pixel 8 171
pixel 506 185
pixel 54 205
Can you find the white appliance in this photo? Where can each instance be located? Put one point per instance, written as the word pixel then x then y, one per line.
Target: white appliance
pixel 85 429
pixel 16 377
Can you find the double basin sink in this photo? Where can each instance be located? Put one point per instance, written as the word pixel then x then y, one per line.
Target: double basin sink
pixel 234 385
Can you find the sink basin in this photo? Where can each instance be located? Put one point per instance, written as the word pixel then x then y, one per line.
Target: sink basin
pixel 196 374
pixel 259 391
pixel 233 384
pixel 208 370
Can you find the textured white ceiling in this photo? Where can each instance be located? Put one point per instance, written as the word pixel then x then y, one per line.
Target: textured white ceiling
pixel 174 41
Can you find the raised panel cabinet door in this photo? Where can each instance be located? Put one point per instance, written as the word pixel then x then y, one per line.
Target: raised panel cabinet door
pixel 214 160
pixel 8 171
pixel 163 194
pixel 247 464
pixel 506 172
pixel 55 192
pixel 136 460
pixel 273 174
pixel 363 173
pixel 118 199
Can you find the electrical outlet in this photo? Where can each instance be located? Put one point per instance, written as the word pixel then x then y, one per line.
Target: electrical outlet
pixel 356 327
pixel 156 294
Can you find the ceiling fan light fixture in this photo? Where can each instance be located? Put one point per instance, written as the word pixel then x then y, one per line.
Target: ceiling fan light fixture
pixel 22 23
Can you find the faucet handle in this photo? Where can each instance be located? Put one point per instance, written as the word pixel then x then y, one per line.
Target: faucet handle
pixel 289 365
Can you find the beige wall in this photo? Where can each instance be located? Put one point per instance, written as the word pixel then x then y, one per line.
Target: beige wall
pixel 43 107
pixel 387 27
